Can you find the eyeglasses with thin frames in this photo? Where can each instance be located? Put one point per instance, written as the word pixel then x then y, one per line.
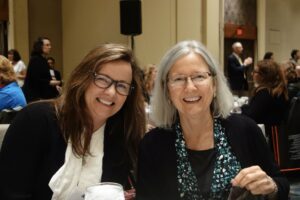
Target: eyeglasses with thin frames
pixel 103 81
pixel 181 80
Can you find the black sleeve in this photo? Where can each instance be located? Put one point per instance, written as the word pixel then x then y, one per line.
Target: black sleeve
pixel 266 161
pixel 38 70
pixel 58 76
pixel 146 187
pixel 21 154
pixel 258 106
pixel 234 64
pixel 251 148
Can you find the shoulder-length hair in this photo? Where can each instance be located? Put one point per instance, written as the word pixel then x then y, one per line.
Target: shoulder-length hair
pixel 37 48
pixel 74 118
pixel 271 76
pixel 164 113
pixel 7 73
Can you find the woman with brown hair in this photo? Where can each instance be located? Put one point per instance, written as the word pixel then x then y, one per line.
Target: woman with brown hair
pixel 88 135
pixel 11 95
pixel 270 95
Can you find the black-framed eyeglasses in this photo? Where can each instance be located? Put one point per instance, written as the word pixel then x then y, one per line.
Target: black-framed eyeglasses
pixel 103 81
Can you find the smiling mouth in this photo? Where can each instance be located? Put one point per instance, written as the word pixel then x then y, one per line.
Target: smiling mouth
pixel 191 99
pixel 107 103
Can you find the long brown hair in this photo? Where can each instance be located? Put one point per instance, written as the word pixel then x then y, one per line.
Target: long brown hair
pixel 271 76
pixel 74 117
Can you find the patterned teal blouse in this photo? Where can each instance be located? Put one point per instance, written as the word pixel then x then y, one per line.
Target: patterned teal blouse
pixel 225 169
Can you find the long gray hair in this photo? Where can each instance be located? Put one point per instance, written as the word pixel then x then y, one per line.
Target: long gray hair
pixel 164 113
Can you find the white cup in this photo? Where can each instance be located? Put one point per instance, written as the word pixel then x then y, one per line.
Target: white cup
pixel 105 191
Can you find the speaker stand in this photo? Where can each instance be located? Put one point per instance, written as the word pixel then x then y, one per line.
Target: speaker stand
pixel 132 42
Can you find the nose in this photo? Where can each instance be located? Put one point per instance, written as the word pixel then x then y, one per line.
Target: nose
pixel 190 83
pixel 111 90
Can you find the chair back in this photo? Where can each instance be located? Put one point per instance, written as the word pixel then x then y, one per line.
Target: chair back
pixel 6 116
pixel 286 139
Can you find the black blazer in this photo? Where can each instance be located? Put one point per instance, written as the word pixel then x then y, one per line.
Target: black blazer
pixel 34 149
pixel 37 81
pixel 236 73
pixel 157 169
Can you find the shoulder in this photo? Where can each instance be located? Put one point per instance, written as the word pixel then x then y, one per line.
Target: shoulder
pixel 158 137
pixel 231 57
pixel 240 126
pixel 263 91
pixel 10 89
pixel 243 132
pixel 38 111
pixel 22 64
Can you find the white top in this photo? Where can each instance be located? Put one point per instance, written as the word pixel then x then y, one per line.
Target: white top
pixel 18 68
pixel 77 173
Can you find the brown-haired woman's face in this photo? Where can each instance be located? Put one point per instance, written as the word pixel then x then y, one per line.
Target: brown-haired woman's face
pixel 10 57
pixel 102 102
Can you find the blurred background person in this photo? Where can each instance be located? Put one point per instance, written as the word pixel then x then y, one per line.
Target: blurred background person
pixel 11 95
pixel 19 67
pixel 293 82
pixel 149 78
pixel 55 149
pixel 269 100
pixel 199 150
pixel 295 56
pixel 38 82
pixel 237 70
pixel 269 56
pixel 55 75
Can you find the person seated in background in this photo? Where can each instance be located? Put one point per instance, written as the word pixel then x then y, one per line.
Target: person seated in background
pixel 199 150
pixel 269 101
pixel 293 82
pixel 11 95
pixel 19 67
pixel 55 149
pixel 55 74
pixel 269 56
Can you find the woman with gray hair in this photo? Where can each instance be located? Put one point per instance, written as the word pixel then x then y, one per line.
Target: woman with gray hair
pixel 199 150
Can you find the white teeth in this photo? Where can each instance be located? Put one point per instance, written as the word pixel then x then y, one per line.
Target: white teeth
pixel 109 103
pixel 192 99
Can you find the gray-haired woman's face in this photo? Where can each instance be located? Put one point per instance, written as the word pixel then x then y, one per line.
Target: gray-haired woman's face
pixel 191 86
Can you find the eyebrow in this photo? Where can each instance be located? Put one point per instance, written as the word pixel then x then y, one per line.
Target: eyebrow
pixel 124 81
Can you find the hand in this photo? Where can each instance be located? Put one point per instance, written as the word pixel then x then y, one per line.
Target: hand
pixel 54 82
pixel 59 89
pixel 129 194
pixel 255 180
pixel 248 61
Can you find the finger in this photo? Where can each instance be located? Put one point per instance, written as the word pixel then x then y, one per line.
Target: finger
pixel 263 186
pixel 252 177
pixel 244 174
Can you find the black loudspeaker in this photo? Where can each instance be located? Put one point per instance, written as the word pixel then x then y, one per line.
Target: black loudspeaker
pixel 131 17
